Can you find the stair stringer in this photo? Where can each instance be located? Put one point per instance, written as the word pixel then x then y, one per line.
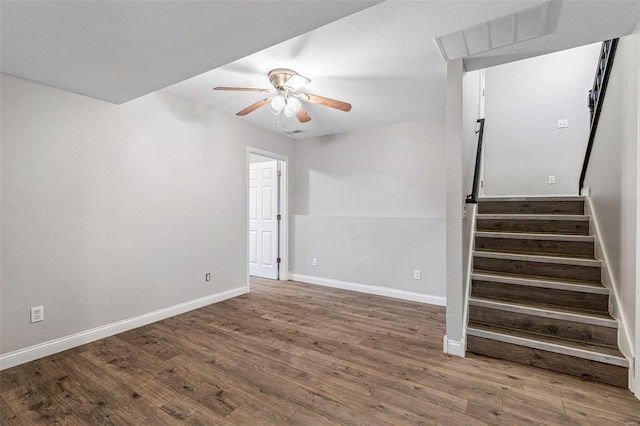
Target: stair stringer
pixel 471 211
pixel 615 307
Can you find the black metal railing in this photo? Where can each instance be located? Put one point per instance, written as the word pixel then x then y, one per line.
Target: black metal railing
pixel 473 197
pixel 596 98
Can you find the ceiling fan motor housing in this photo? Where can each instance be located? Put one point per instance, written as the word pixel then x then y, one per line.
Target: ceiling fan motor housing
pixel 279 76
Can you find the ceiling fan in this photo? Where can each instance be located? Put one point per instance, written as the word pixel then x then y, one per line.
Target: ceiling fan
pixel 284 97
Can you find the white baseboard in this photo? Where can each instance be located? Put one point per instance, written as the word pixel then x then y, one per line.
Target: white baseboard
pixel 51 347
pixel 453 347
pixel 608 280
pixel 371 289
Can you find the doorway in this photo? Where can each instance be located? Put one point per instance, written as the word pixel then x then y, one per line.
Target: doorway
pixel 267 215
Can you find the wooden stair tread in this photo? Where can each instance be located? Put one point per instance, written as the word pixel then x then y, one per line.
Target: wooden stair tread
pixel 535 236
pixel 538 281
pixel 537 296
pixel 579 261
pixel 533 223
pixel 532 198
pixel 537 253
pixel 545 307
pixel 540 244
pixel 553 344
pixel 530 216
pixel 531 205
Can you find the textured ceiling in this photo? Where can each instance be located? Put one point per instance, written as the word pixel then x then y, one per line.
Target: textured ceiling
pixel 382 60
pixel 120 50
pixel 385 62
pixel 380 57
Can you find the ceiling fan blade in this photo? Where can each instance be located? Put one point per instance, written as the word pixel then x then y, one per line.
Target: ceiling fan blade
pixel 295 82
pixel 303 116
pixel 242 89
pixel 253 107
pixel 331 103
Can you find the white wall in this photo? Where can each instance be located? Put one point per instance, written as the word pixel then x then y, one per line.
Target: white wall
pixel 524 101
pixel 114 211
pixel 370 207
pixel 472 109
pixel 471 86
pixel 455 262
pixel 612 176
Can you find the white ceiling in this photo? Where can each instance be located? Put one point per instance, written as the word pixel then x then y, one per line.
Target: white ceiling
pixel 120 50
pixel 381 59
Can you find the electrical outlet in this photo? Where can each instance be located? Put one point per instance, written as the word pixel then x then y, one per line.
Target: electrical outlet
pixel 37 314
pixel 416 274
pixel 207 276
pixel 314 261
pixel 563 124
pixel 552 180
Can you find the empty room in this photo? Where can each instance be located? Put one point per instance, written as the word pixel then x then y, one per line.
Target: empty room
pixel 320 212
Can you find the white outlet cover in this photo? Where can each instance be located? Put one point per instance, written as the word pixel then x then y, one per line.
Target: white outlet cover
pixel 563 124
pixel 37 314
pixel 552 180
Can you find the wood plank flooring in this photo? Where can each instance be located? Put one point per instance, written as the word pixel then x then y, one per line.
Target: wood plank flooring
pixel 298 354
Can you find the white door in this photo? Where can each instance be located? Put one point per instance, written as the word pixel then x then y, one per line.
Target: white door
pixel 263 219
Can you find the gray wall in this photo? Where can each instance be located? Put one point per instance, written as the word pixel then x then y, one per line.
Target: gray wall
pixel 370 207
pixel 113 211
pixel 524 101
pixel 612 176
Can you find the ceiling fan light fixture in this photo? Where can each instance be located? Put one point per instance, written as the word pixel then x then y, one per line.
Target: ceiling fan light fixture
pixel 277 104
pixel 285 98
pixel 292 107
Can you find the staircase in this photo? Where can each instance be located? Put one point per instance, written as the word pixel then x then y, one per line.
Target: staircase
pixel 536 294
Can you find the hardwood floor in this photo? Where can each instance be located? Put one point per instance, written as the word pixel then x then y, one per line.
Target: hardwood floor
pixel 290 353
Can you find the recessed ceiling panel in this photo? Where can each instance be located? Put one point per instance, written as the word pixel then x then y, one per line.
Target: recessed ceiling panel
pixel 477 38
pixel 502 32
pixel 523 25
pixel 454 45
pixel 530 23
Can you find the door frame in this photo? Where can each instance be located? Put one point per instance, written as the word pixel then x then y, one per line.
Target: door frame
pixel 481 106
pixel 283 196
pixel 636 380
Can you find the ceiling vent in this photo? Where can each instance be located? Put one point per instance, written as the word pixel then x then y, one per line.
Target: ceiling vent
pixel 511 29
pixel 293 132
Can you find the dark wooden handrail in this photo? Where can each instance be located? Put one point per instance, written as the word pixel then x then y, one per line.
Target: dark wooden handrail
pixel 596 99
pixel 473 197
